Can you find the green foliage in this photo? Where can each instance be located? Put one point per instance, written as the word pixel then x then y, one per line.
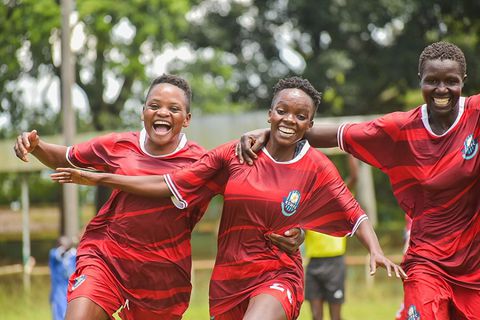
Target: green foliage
pixel 42 190
pixel 212 77
pixel 362 54
pixel 30 28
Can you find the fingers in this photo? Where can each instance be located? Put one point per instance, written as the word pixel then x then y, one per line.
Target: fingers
pixel 373 267
pixel 61 177
pixel 388 265
pixel 257 146
pixel 402 273
pixel 244 151
pixel 20 150
pixel 26 142
pixel 238 153
pixel 285 244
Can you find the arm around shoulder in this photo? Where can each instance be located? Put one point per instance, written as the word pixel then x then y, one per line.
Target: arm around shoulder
pixel 323 135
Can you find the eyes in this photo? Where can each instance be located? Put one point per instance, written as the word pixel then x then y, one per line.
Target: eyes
pixel 300 115
pixel 155 107
pixel 449 82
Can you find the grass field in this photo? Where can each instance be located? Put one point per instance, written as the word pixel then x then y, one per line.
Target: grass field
pixel 378 302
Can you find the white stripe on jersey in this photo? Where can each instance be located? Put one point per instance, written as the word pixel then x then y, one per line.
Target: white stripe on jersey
pixel 176 197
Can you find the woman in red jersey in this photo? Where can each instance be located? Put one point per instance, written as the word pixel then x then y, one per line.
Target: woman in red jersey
pixel 290 185
pixel 132 259
pixel 431 156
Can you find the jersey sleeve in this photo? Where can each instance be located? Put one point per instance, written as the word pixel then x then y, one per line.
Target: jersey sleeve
pixel 331 208
pixel 203 179
pixel 372 142
pixel 93 154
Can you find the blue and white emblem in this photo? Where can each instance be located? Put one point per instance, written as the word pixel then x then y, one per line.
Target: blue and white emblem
pixel 78 281
pixel 290 203
pixel 470 147
pixel 412 313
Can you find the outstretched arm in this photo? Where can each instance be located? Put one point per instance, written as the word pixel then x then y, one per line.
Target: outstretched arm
pixel 368 238
pixel 149 186
pixel 323 135
pixel 51 155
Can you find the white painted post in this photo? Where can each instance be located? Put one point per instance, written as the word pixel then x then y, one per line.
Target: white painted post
pixel 25 233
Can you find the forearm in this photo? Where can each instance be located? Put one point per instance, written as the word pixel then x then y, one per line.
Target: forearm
pixel 51 155
pixel 322 136
pixel 149 186
pixel 368 238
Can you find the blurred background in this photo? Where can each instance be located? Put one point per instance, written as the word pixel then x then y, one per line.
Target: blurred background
pixel 363 56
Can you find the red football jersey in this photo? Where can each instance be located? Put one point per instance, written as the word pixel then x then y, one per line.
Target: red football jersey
pixel 267 197
pixel 436 180
pixel 143 243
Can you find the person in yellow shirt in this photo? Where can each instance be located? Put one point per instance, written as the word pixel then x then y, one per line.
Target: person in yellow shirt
pixel 325 273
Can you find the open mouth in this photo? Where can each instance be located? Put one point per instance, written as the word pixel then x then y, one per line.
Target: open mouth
pixel 161 127
pixel 441 102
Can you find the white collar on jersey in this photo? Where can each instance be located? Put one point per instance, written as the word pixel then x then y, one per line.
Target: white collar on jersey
pixel 461 108
pixel 143 139
pixel 298 157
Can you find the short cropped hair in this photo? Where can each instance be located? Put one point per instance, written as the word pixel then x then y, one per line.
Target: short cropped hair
pixel 299 83
pixel 175 81
pixel 442 50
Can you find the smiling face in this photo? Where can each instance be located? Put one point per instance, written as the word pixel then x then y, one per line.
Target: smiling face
pixel 441 82
pixel 290 116
pixel 164 115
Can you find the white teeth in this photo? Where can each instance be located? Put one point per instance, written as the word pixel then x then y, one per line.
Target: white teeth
pixel 286 130
pixel 441 102
pixel 160 122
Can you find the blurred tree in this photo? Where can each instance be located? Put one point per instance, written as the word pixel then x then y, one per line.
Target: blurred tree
pixel 116 41
pixel 362 55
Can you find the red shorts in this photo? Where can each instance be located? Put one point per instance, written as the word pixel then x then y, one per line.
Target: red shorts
pixel 98 286
pixel 431 297
pixel 93 283
pixel 280 289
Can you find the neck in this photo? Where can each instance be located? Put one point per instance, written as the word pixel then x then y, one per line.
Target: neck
pixel 155 149
pixel 440 123
pixel 280 153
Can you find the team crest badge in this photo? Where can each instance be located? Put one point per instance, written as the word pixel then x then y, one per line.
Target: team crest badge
pixel 470 147
pixel 412 313
pixel 290 203
pixel 78 281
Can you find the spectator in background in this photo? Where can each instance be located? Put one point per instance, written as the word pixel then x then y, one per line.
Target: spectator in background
pixel 61 262
pixel 325 273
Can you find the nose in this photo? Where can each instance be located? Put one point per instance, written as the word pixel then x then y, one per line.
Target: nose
pixel 289 117
pixel 163 112
pixel 442 87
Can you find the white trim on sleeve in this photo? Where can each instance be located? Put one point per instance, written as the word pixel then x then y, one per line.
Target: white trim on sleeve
pixel 362 218
pixel 176 197
pixel 340 136
pixel 68 159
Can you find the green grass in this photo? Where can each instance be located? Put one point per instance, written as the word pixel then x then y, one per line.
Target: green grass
pixel 378 302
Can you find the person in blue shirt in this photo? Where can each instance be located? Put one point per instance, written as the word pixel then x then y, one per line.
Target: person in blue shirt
pixel 61 262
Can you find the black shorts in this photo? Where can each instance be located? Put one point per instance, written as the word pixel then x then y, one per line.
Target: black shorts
pixel 325 279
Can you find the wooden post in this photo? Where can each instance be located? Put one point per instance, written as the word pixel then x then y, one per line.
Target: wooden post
pixel 70 191
pixel 366 198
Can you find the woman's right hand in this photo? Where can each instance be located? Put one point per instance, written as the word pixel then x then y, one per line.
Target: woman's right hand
pixel 70 175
